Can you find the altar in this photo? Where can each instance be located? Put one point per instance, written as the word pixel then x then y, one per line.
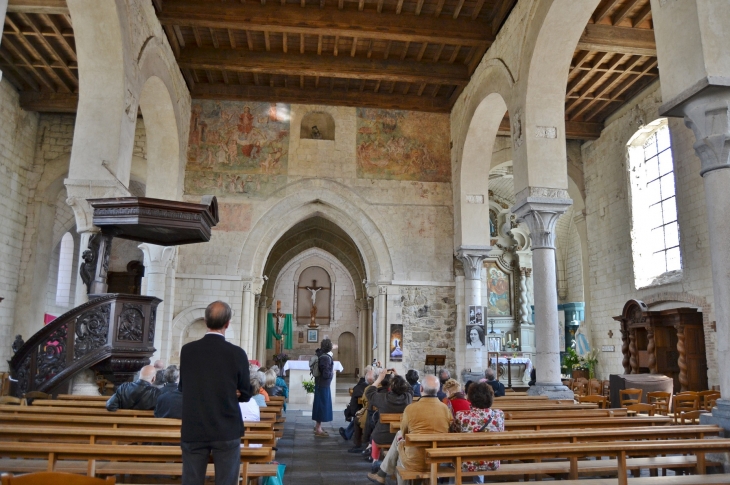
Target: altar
pixel 298 372
pixel 521 368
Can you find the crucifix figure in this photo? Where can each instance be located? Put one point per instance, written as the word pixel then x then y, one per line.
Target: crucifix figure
pixel 313 312
pixel 279 327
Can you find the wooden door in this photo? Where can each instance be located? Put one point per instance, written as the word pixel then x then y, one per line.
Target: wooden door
pixel 347 353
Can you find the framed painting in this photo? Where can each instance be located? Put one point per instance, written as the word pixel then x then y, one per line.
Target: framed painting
pixel 499 291
pixel 476 315
pixel 312 335
pixel 396 343
pixel 494 344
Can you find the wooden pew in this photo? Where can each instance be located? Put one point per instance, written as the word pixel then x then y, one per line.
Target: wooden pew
pixel 445 440
pixel 119 422
pixel 572 453
pixel 81 397
pixel 86 411
pixel 578 413
pixel 116 459
pixel 92 435
pixel 69 403
pixel 616 422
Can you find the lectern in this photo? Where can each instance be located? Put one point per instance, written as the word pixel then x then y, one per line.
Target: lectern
pixel 435 360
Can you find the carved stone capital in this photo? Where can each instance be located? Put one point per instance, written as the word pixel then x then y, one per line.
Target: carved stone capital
pixel 80 190
pixel 157 259
pixel 472 257
pixel 708 116
pixel 541 214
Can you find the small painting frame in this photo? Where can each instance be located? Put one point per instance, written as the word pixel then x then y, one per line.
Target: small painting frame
pixel 312 335
pixel 494 344
pixel 476 315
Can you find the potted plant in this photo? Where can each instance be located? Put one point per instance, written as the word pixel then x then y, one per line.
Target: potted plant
pixel 309 387
pixel 575 364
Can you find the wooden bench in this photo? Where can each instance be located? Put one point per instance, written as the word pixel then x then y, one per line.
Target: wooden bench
pixel 568 413
pixel 615 422
pixel 73 410
pixel 118 422
pixel 93 459
pixel 572 455
pixel 69 403
pixel 81 397
pixel 721 479
pixel 65 434
pixel 445 440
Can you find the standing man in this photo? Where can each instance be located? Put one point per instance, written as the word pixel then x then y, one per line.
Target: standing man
pixel 216 378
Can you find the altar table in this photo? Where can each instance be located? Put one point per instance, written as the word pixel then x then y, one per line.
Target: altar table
pixel 298 372
pixel 521 368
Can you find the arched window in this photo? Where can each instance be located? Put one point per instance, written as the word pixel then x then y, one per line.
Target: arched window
pixel 65 271
pixel 655 232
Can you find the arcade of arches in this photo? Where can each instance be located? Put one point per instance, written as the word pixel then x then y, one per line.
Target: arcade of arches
pixel 494 175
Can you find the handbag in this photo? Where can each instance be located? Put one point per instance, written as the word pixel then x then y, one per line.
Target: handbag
pixel 278 479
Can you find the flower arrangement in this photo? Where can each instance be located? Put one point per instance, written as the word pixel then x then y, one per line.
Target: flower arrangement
pixel 308 386
pixel 281 359
pixel 591 360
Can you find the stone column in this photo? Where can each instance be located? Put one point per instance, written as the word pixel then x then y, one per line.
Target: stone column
pixel 3 11
pixel 383 346
pixel 360 306
pixel 246 304
pixel 472 257
pixel 157 261
pixel 370 306
pixel 708 116
pixel 263 317
pixel 541 213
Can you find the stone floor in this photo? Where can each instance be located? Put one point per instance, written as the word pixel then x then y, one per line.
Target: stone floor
pixel 314 461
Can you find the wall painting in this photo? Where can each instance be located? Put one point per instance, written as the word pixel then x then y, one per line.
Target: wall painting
pixel 237 148
pixel 403 145
pixel 498 291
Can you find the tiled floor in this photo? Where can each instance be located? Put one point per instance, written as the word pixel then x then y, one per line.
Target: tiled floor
pixel 314 461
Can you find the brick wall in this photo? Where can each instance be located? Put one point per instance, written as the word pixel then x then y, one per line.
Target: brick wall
pixel 17 144
pixel 608 219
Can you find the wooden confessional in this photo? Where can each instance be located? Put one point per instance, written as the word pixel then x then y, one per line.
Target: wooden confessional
pixel 669 342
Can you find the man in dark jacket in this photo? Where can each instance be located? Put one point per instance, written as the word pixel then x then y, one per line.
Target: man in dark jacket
pixel 214 379
pixel 392 397
pixel 140 394
pixel 496 386
pixel 169 402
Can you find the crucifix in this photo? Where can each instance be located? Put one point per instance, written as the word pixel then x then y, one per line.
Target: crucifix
pixel 313 312
pixel 279 328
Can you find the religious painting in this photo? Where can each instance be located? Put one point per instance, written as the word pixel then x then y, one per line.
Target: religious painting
pixel 403 145
pixel 396 343
pixel 237 148
pixel 499 301
pixel 312 335
pixel 476 315
pixel 475 337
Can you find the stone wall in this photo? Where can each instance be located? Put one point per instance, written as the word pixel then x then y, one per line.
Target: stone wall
pixel 18 130
pixel 608 218
pixel 428 315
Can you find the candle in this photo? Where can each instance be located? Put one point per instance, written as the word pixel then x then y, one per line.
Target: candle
pixel 517 342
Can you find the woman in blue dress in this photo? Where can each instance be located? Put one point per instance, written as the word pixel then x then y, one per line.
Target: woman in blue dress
pixel 322 407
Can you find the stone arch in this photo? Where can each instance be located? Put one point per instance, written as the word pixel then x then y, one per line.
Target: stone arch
pixel 329 200
pixel 550 42
pixel 167 120
pixel 487 107
pixel 180 324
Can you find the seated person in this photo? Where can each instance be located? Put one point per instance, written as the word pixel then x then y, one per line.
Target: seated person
pixel 412 378
pixel 270 384
pixel 170 376
pixel 140 394
pixel 362 431
pixel 455 399
pixel 354 406
pixel 256 395
pixel 250 410
pixel 497 386
pixel 169 401
pixel 444 375
pixel 533 377
pixel 390 393
pixel 281 383
pixel 480 418
pixel 261 376
pixel 427 415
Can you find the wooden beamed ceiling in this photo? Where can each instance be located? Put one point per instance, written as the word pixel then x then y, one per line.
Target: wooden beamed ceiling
pixel 391 54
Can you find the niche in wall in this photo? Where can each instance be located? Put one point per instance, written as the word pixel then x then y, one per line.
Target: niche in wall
pixel 317 125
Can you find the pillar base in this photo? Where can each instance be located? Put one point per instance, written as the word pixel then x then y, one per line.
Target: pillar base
pixel 720 416
pixel 552 391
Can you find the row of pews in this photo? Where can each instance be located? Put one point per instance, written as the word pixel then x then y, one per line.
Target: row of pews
pixel 75 434
pixel 582 441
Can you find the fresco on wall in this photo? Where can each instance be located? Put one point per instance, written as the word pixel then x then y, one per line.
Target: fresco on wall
pixel 237 148
pixel 498 291
pixel 403 145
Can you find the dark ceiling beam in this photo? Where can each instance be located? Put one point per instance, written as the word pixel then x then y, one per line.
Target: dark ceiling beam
pixel 52 7
pixel 329 21
pixel 574 130
pixel 324 66
pixel 620 40
pixel 325 97
pixel 48 102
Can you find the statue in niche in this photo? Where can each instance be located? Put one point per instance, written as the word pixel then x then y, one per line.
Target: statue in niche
pixel 316 134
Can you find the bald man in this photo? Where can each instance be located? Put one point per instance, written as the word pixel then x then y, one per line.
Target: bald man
pixel 215 377
pixel 140 394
